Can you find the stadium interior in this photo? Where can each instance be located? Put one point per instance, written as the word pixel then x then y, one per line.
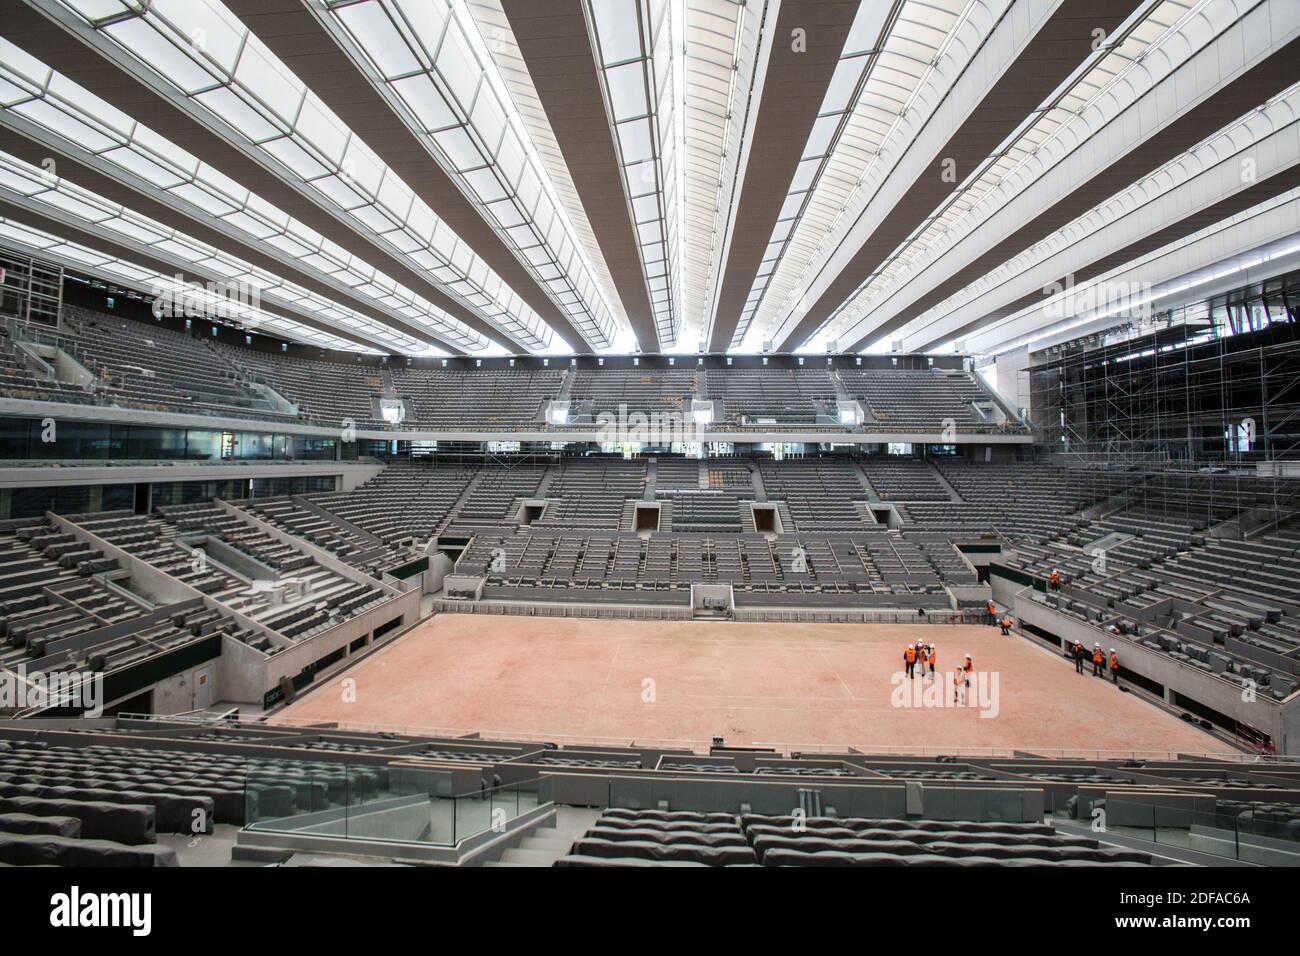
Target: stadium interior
pixel 554 433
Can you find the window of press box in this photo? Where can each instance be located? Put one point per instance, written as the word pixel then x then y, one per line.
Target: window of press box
pixel 35 439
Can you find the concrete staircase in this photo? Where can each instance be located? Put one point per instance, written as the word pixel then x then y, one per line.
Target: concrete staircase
pixel 566 384
pixel 548 479
pixel 665 514
pixel 866 482
pixel 548 843
pixel 947 486
pixel 863 508
pixel 465 495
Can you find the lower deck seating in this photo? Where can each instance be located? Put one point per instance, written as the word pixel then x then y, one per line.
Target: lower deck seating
pixel 126 780
pixel 623 837
pixel 405 502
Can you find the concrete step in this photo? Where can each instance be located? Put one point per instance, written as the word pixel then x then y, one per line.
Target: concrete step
pixel 559 844
pixel 532 857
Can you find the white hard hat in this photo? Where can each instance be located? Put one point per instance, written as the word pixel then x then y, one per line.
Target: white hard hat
pixel 1096 645
pixel 1112 650
pixel 911 645
pixel 967 657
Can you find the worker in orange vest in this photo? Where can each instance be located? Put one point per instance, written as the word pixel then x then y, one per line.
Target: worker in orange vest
pixel 992 610
pixel 1054 580
pixel 909 660
pixel 1114 666
pixel 1005 623
pixel 1077 652
pixel 959 686
pixel 934 660
pixel 1097 658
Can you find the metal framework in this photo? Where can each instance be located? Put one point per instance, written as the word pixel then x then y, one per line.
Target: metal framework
pixel 31 289
pixel 1190 401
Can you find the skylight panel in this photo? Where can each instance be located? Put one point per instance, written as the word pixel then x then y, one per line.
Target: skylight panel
pixel 47 115
pixel 419 93
pixel 376 32
pixel 617 25
pixel 144 167
pixel 250 122
pixel 161 53
pixel 301 162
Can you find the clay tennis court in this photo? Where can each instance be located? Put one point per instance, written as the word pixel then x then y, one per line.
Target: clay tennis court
pixel 796 684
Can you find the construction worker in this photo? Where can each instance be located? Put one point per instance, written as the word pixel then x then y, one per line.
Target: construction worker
pixel 1005 623
pixel 1097 659
pixel 933 661
pixel 959 687
pixel 1077 653
pixel 992 610
pixel 967 667
pixel 1114 666
pixel 1054 580
pixel 909 660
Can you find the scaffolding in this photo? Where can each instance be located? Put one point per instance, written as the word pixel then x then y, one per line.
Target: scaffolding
pixel 1214 383
pixel 1197 405
pixel 31 291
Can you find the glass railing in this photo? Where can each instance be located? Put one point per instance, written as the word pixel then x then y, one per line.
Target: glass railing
pixel 976 804
pixel 493 807
pixel 396 804
pixel 875 801
pixel 1262 834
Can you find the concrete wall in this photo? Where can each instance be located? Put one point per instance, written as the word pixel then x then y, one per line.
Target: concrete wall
pixel 1280 720
pixel 440 567
pixel 161 587
pixel 175 695
pixel 1009 378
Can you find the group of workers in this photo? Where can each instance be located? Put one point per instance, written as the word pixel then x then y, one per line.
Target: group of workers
pixel 922 654
pixel 1100 662
pixel 1003 622
pixel 928 655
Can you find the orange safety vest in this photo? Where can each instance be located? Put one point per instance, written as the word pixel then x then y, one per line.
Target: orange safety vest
pixel 967 667
pixel 909 655
pixel 1097 657
pixel 991 608
pixel 1006 622
pixel 1114 662
pixel 1056 577
pixel 934 657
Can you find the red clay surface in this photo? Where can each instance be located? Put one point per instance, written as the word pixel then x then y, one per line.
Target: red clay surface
pixel 792 684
